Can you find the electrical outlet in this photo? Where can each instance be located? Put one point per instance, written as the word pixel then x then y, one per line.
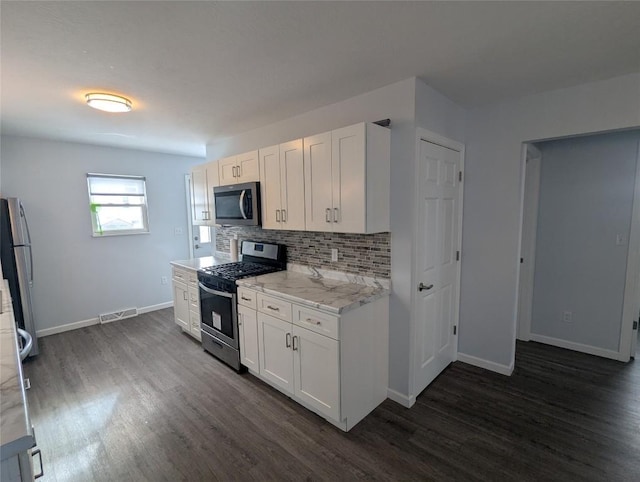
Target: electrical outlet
pixel 163 280
pixel 177 231
pixel 334 255
pixel 566 316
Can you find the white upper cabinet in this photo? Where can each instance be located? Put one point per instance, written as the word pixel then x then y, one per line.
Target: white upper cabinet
pixel 347 180
pixel 282 186
pixel 270 187
pixel 203 179
pixel 238 169
pixel 318 184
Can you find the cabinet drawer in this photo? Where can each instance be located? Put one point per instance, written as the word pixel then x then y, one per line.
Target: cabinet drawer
pixel 194 299
pixel 192 278
pixel 247 297
pixel 274 307
pixel 317 321
pixel 179 274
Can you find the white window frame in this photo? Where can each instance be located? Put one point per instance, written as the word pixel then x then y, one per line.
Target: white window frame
pixel 96 231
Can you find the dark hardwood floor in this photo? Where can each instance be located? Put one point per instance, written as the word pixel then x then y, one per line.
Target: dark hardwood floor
pixel 139 400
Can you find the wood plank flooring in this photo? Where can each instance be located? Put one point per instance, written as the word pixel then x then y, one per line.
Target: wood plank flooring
pixel 139 400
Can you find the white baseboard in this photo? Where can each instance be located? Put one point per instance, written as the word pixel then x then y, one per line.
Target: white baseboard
pixel 570 345
pixel 95 321
pixel 486 364
pixel 400 398
pixel 159 306
pixel 67 327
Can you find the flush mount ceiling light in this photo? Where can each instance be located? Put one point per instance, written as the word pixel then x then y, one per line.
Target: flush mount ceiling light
pixel 108 102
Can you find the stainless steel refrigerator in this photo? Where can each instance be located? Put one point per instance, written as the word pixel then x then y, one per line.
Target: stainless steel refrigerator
pixel 17 263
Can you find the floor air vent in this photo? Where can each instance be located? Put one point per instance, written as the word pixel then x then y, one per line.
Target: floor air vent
pixel 118 315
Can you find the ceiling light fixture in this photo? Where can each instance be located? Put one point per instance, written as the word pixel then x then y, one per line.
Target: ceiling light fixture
pixel 108 102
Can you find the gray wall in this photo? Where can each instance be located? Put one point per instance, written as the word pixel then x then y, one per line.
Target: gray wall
pixel 493 198
pixel 77 277
pixel 400 102
pixel 586 198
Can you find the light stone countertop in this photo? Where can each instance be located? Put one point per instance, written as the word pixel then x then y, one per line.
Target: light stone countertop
pixel 15 427
pixel 331 295
pixel 199 263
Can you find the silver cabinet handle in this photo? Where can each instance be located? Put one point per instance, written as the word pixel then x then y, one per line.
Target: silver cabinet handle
pixel 287 340
pixel 33 454
pixel 277 215
pixel 240 318
pixel 335 215
pixel 245 298
pixel 422 287
pixel 284 216
pixel 309 320
pixel 27 384
pixel 184 295
pixel 274 308
pixel 328 215
pixel 233 170
pixel 295 346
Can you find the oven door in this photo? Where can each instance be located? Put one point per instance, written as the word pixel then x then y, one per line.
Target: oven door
pixel 237 204
pixel 218 313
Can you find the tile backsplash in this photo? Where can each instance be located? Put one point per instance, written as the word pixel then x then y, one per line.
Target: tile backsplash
pixel 363 254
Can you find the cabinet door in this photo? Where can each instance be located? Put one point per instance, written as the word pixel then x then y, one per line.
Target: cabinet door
pixel 348 179
pixel 248 169
pixel 270 187
pixel 227 171
pixel 316 371
pixel 213 180
pixel 317 186
pixel 194 325
pixel 199 200
pixel 292 182
pixel 181 304
pixel 275 354
pixel 248 329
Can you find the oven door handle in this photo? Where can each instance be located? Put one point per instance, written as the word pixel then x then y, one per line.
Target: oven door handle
pixel 241 202
pixel 214 292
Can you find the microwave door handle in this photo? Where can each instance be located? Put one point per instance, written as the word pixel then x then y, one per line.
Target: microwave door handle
pixel 241 202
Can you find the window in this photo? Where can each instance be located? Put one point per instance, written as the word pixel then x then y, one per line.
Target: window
pixel 118 204
pixel 205 234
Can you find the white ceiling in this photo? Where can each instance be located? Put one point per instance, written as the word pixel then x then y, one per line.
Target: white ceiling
pixel 199 71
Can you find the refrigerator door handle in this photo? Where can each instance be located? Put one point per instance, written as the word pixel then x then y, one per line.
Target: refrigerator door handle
pixel 26 224
pixel 30 265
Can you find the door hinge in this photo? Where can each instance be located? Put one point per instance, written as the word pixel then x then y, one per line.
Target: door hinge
pixel 457 255
pixel 635 325
pixel 455 329
pixel 460 176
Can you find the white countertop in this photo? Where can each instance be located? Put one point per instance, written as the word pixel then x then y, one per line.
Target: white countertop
pixel 199 263
pixel 318 292
pixel 15 428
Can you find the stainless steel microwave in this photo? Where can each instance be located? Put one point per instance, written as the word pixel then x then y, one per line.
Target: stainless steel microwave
pixel 238 204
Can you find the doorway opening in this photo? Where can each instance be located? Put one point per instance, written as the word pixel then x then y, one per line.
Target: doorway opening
pixel 579 284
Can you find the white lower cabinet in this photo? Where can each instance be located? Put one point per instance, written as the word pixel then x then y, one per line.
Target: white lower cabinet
pixel 181 304
pixel 316 371
pixel 334 365
pixel 186 301
pixel 248 330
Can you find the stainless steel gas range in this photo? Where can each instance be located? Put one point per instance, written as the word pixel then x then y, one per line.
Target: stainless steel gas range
pixel 218 297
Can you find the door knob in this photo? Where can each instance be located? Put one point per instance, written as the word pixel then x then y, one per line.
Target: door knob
pixel 422 287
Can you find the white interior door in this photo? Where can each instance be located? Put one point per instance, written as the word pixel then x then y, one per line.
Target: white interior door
pixel 528 245
pixel 436 307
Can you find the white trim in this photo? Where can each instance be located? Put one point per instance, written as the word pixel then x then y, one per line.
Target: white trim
pixel 187 186
pixel 402 399
pixel 525 283
pixel 429 136
pixel 571 345
pixel 486 364
pixel 159 306
pixel 631 288
pixel 94 321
